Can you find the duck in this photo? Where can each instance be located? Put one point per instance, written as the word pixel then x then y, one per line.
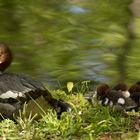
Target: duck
pixel 135 88
pixel 123 88
pixel 16 89
pixel 135 94
pixel 112 97
pixel 107 96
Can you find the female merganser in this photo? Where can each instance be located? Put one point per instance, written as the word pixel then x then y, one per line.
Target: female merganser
pixel 16 89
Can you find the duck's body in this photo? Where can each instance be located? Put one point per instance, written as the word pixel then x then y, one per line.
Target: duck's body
pixel 19 87
pixel 22 88
pixel 112 97
pixel 108 96
pixel 135 94
pixel 16 89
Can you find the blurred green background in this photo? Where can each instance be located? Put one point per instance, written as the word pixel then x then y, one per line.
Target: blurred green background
pixel 57 41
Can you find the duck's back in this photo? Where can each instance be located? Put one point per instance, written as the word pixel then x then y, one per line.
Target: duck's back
pixel 19 86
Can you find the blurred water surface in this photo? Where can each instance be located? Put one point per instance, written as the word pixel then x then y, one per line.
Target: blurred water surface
pixel 71 40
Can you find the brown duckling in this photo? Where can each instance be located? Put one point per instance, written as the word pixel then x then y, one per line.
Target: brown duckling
pixel 112 97
pixel 123 88
pixel 135 94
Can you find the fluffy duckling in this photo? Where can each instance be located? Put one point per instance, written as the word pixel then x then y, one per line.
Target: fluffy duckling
pixel 112 97
pixel 135 94
pixel 123 88
pixel 109 97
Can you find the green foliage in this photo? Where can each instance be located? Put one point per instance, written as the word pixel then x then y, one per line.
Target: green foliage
pixel 65 43
pixel 8 130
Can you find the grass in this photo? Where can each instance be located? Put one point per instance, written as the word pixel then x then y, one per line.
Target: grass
pixel 86 122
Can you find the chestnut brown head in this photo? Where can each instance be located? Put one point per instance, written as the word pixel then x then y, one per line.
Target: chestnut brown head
pixel 123 88
pixel 5 56
pixel 101 90
pixel 138 83
pixel 134 88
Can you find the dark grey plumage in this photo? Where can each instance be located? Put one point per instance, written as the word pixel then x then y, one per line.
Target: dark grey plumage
pixel 17 89
pixel 111 97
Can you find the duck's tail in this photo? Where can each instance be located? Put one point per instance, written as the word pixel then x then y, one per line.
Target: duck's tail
pixel 59 105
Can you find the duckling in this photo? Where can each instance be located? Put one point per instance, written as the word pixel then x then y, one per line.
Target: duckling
pixel 135 94
pixel 108 96
pixel 113 98
pixel 123 88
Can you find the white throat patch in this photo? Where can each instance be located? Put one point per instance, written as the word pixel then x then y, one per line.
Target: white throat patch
pixel 126 94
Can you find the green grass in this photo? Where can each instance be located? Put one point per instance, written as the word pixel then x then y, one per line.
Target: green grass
pixel 86 122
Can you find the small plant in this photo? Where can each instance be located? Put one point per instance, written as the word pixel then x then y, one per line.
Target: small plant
pixel 25 120
pixel 85 87
pixel 70 86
